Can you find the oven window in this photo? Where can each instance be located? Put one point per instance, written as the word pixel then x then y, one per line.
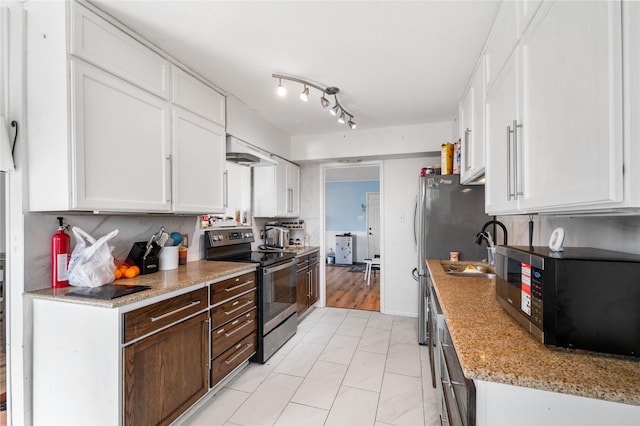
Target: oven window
pixel 278 294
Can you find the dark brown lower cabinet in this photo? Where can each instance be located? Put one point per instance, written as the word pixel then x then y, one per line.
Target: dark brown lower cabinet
pixel 166 373
pixel 307 282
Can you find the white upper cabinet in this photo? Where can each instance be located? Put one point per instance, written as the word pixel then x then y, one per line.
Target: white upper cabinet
pixel 501 41
pixel 197 97
pixel 101 135
pixel 118 166
pixel 97 41
pixel 554 114
pixel 501 112
pixel 197 164
pixel 572 106
pixel 472 131
pixel 276 190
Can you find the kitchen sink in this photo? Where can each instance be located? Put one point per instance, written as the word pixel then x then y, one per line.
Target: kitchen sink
pixel 469 269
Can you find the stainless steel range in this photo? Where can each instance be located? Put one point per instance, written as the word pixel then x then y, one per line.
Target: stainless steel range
pixel 277 318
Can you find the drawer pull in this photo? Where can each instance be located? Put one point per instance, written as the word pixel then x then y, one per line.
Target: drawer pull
pixel 244 305
pixel 238 329
pixel 220 331
pixel 235 287
pixel 236 356
pixel 168 314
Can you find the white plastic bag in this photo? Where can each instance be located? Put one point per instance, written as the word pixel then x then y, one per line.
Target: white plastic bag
pixel 91 263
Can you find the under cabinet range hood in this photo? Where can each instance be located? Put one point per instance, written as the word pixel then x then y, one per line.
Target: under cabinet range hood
pixel 243 153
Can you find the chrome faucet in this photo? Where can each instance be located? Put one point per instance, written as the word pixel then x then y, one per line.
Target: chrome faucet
pixel 483 234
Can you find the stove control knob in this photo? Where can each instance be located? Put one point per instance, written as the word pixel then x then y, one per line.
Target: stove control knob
pixel 221 237
pixel 216 237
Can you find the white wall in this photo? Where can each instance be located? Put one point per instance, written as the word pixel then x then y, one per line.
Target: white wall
pixel 400 187
pixel 246 124
pixel 389 141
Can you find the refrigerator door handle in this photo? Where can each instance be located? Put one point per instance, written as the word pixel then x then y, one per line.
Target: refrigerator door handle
pixel 414 274
pixel 415 224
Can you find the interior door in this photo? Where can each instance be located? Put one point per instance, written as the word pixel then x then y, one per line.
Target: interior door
pixel 373 224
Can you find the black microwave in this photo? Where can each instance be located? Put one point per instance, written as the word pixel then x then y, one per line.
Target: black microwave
pixel 579 298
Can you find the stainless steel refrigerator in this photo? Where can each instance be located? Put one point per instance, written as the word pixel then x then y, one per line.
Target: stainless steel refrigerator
pixel 448 216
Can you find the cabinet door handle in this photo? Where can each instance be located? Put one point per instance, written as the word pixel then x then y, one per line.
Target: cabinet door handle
pixel 516 171
pixel 231 333
pixel 168 314
pixel 225 187
pixel 466 149
pixel 170 160
pixel 244 305
pixel 509 193
pixel 236 356
pixel 235 287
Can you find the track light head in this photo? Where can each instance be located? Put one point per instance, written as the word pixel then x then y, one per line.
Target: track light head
pixel 352 124
pixel 281 90
pixel 324 101
pixel 305 94
pixel 335 109
pixel 341 118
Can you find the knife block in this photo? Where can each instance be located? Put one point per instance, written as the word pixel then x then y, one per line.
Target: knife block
pixel 147 264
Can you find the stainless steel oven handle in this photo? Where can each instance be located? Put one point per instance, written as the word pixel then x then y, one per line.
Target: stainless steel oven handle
pixel 270 270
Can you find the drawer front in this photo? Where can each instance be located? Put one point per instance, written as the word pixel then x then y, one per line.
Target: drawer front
pixel 153 317
pixel 231 333
pixel 314 258
pixel 232 309
pixel 232 287
pixel 106 46
pixel 232 358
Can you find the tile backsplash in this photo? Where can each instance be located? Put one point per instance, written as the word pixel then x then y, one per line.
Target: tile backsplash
pixel 40 227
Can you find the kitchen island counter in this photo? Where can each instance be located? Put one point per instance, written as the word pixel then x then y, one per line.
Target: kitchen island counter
pixel 493 347
pixel 162 282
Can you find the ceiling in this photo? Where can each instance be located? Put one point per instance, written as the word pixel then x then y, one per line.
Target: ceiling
pixel 395 62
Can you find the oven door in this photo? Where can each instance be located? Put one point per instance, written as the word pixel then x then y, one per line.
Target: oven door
pixel 278 294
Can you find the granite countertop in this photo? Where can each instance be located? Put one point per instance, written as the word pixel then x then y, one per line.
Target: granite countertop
pixel 161 282
pixel 299 251
pixel 493 347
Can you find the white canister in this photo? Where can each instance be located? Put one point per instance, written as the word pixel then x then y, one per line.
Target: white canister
pixel 168 258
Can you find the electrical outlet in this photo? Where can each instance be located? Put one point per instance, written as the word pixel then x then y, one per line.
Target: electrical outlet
pixel 185 240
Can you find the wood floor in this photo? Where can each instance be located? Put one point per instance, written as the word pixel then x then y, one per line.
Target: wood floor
pixel 349 289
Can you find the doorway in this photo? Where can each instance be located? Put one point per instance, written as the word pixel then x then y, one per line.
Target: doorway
pixel 352 231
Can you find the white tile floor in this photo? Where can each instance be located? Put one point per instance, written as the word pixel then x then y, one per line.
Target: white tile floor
pixel 343 367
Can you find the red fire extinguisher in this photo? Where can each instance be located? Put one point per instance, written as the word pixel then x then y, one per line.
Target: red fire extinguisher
pixel 60 256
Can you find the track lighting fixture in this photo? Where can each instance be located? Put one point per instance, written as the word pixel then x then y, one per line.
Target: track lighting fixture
pixel 337 109
pixel 305 94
